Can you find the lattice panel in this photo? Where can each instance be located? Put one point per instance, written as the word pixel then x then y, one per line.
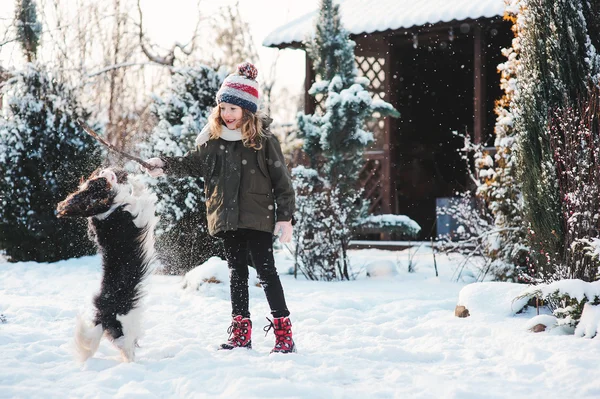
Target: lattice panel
pixel 370 179
pixel 373 69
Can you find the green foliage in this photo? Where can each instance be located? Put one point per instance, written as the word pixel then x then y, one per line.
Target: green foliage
pixel 398 224
pixel 43 154
pixel 182 240
pixel 335 143
pixel 575 142
pixel 564 306
pixel 29 29
pixel 498 185
pixel 554 69
pixel 331 51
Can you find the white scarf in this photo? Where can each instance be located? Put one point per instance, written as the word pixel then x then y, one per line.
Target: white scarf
pixel 226 134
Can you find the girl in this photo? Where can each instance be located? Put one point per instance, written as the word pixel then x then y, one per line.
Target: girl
pixel 249 197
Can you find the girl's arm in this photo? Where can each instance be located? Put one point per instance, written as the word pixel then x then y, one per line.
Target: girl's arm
pixel 191 164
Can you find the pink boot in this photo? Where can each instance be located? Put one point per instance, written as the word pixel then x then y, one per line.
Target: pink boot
pixel 282 327
pixel 240 334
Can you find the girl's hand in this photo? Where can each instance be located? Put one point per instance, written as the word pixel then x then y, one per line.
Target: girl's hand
pixel 284 231
pixel 158 164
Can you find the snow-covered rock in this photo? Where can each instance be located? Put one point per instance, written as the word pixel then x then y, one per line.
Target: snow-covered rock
pixel 546 320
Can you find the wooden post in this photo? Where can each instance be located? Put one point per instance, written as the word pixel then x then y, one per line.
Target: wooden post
pixel 309 79
pixel 478 85
pixel 388 139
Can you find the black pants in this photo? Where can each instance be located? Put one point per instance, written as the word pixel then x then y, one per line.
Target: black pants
pixel 259 245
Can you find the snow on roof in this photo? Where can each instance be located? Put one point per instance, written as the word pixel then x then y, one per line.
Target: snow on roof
pixel 367 16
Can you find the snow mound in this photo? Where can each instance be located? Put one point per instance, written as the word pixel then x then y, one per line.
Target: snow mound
pixel 213 271
pixel 381 268
pixel 589 324
pixel 492 298
pixel 545 319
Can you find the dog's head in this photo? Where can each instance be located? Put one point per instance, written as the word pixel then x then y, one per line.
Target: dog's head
pixel 94 196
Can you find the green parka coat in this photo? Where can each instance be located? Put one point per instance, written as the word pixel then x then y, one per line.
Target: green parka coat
pixel 244 188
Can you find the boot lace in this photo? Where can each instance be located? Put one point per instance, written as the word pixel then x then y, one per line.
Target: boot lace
pixel 234 330
pixel 280 333
pixel 268 327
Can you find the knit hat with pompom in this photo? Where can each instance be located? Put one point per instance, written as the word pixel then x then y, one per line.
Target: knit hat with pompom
pixel 240 88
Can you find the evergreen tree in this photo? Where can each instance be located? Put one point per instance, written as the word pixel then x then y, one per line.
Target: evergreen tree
pixel 182 234
pixel 554 70
pixel 29 29
pixel 500 188
pixel 43 154
pixel 335 143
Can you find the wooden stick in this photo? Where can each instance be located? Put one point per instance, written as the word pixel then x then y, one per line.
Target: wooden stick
pixel 95 135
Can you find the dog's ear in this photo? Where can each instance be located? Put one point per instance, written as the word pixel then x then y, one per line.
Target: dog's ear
pixel 109 175
pixel 81 180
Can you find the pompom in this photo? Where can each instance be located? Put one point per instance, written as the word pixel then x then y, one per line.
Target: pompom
pixel 248 70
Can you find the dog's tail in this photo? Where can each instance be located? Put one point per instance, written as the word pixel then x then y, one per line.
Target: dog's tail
pixel 87 339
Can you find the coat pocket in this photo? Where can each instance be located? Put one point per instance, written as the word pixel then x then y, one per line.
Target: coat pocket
pixel 257 210
pixel 262 163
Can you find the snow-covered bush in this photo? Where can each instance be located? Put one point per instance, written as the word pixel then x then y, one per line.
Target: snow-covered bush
pixel 28 28
pixel 334 143
pixel 43 155
pixel 400 224
pixel 182 234
pixel 556 63
pixel 321 232
pixel 575 142
pixel 565 298
pixel 500 190
pixel 477 233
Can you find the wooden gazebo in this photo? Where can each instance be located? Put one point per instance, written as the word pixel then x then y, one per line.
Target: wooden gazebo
pixel 436 62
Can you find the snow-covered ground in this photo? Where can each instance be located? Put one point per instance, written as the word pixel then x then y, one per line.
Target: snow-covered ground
pixel 378 337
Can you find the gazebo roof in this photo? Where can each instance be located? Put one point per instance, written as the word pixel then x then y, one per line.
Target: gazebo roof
pixel 368 16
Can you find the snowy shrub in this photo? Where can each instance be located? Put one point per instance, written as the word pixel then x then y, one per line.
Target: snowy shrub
pixel 499 188
pixel 575 142
pixel 399 224
pixel 43 155
pixel 28 28
pixel 334 142
pixel 182 234
pixel 478 234
pixel 566 298
pixel 321 232
pixel 556 63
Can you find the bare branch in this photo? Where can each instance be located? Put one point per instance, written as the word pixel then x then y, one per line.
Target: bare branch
pixel 118 66
pixel 169 59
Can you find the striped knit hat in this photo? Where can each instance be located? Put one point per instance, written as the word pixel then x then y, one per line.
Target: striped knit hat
pixel 240 88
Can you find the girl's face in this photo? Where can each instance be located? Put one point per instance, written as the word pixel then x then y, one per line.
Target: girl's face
pixel 231 115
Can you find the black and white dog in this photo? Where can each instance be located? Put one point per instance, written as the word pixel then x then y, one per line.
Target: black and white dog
pixel 121 217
